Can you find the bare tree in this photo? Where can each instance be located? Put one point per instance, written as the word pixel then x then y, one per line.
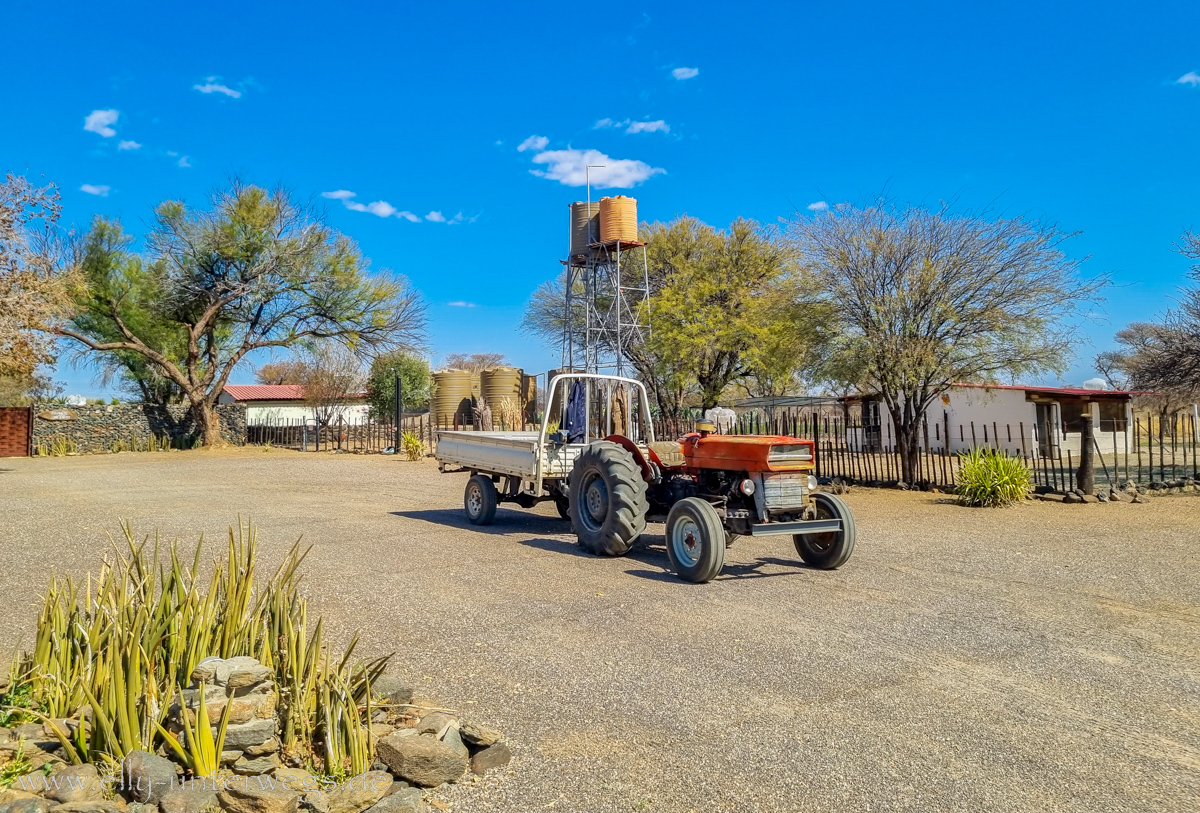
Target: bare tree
pixel 288 371
pixel 333 378
pixel 35 288
pixel 254 271
pixel 928 298
pixel 473 362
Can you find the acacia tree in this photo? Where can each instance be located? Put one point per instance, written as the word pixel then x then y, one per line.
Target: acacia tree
pixel 928 298
pixel 35 288
pixel 474 362
pixel 287 371
pixel 253 271
pixel 333 377
pixel 414 382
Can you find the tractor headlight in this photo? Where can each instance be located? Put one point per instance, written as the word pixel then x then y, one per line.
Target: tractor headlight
pixel 812 483
pixel 746 487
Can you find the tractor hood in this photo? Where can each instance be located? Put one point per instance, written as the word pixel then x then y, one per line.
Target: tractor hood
pixel 748 452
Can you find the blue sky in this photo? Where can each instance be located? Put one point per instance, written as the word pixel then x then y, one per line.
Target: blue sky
pixel 1085 114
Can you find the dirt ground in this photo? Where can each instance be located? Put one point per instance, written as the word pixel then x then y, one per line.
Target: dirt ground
pixel 1038 658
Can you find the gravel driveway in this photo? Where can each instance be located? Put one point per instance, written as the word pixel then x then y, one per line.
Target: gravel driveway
pixel 1038 658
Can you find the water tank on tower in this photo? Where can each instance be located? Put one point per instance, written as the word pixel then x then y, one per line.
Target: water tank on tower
pixel 618 219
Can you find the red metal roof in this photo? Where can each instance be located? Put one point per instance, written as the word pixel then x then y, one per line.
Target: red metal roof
pixel 265 392
pixel 1054 390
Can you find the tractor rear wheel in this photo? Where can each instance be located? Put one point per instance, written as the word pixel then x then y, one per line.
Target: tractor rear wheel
pixel 695 540
pixel 608 501
pixel 830 549
pixel 479 500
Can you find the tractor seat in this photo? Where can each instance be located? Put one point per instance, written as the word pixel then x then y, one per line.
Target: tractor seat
pixel 668 453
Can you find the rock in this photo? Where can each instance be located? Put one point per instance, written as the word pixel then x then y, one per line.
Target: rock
pixel 406 800
pixel 1115 496
pixel 1051 497
pixel 32 804
pixel 454 740
pixel 268 747
pixel 494 756
pixel 139 807
pixel 314 801
pixel 75 783
pixel 41 759
pixel 257 766
pixel 421 760
pixel 98 806
pixel 1138 499
pixel 1102 497
pixel 30 731
pixel 145 777
pixel 434 723
pixel 381 730
pixel 391 691
pixel 255 795
pixel 243 679
pixel 188 800
pixel 1072 497
pixel 359 792
pixel 246 735
pixel 397 786
pixel 12 795
pixel 6 735
pixel 206 670
pixel 1091 498
pixel 479 736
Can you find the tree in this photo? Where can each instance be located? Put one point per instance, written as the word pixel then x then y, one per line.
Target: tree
pixel 1162 357
pixel 414 383
pixel 35 287
pixel 333 378
pixel 17 390
pixel 254 271
pixel 928 298
pixel 474 362
pixel 288 371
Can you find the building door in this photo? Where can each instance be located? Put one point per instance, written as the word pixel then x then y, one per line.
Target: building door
pixel 1047 429
pixel 16 431
pixel 872 427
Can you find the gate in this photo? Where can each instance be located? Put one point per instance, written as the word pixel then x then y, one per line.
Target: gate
pixel 16 431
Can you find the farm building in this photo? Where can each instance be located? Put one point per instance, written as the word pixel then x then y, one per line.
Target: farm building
pixel 1016 418
pixel 283 403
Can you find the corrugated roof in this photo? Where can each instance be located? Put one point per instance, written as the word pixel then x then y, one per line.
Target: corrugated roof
pixel 1055 390
pixel 265 392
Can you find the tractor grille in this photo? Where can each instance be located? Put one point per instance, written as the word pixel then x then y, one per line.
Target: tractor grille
pixel 784 490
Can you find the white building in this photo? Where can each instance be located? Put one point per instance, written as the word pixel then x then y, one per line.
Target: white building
pixel 282 404
pixel 1016 418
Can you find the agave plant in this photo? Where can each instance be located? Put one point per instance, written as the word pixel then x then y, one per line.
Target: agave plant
pixel 990 478
pixel 202 754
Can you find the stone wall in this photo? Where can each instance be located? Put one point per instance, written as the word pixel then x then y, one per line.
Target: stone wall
pixel 97 428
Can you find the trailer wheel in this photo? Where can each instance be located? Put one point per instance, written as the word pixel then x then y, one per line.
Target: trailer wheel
pixel 695 540
pixel 608 502
pixel 479 500
pixel 830 549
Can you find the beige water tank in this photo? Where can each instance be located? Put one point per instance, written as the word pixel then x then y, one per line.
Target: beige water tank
pixel 451 402
pixel 585 226
pixel 618 218
pixel 501 388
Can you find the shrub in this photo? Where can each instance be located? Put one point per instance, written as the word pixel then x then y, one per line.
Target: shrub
pixel 121 649
pixel 412 445
pixel 989 478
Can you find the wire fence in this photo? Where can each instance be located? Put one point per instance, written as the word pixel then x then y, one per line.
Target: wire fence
pixel 359 435
pixel 1152 450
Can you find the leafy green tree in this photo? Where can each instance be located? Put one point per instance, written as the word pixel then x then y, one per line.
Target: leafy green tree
pixel 927 298
pixel 414 383
pixel 253 271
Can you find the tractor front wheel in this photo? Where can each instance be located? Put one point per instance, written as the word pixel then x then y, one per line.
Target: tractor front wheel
pixel 608 502
pixel 830 549
pixel 695 540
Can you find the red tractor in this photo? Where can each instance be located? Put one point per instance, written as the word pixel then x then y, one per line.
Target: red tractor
pixel 710 488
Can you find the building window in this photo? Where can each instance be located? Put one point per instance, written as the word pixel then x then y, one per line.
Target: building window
pixel 1112 416
pixel 1071 412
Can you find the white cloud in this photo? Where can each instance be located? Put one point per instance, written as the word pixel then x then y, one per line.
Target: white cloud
pixel 819 206
pixel 379 208
pixel 685 73
pixel 183 162
pixel 101 121
pixel 534 142
pixel 659 126
pixel 630 126
pixel 96 189
pixel 569 167
pixel 436 217
pixel 129 145
pixel 1190 78
pixel 211 85
pixel 461 304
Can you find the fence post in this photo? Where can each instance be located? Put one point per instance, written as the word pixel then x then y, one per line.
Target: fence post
pixel 1086 477
pixel 399 405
